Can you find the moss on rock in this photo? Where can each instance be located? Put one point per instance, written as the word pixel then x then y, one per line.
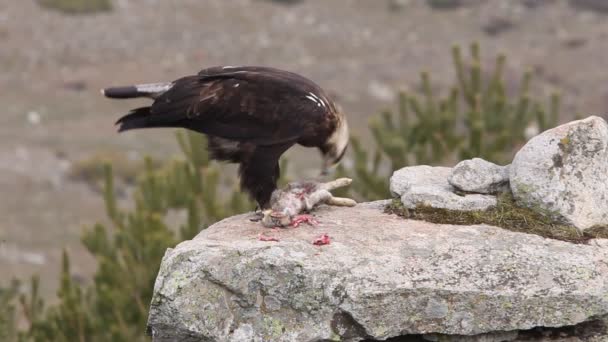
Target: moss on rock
pixel 506 215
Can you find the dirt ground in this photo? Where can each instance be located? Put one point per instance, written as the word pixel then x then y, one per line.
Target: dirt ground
pixel 362 51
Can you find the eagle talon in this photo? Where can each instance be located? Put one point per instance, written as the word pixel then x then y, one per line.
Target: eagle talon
pixel 297 220
pixel 257 216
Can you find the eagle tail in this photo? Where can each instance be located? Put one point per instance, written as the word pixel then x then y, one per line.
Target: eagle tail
pixel 137 118
pixel 151 90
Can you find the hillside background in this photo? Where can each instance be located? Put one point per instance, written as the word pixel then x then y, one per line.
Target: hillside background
pixel 54 123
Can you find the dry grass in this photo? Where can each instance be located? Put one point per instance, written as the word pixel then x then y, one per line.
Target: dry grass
pixel 506 215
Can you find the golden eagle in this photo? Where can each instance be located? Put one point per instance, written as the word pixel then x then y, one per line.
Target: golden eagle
pixel 250 114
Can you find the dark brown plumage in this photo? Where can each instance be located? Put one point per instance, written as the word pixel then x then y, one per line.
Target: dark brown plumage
pixel 251 115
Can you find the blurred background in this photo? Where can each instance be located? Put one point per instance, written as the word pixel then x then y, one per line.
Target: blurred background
pixel 56 129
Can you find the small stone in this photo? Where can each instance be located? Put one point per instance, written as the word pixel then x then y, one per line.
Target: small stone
pixel 479 176
pixel 428 185
pixel 562 173
pixel 497 25
pixel 33 117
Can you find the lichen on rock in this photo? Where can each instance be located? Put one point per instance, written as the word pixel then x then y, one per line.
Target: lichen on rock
pixel 562 172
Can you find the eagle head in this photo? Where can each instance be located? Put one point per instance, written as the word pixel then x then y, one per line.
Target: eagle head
pixel 335 147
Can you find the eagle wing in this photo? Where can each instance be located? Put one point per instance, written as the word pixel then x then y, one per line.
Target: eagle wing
pixel 245 105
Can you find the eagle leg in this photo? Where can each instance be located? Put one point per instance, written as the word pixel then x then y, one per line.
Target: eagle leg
pixel 298 219
pixel 257 216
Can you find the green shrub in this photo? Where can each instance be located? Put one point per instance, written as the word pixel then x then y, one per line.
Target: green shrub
pixel 444 4
pixel 77 6
pixel 8 312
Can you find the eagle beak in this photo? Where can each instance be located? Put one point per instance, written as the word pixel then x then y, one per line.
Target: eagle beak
pixel 327 167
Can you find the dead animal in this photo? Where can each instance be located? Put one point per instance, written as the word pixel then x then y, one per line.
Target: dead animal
pixel 288 204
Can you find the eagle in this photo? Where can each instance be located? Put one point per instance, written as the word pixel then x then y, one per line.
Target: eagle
pixel 251 115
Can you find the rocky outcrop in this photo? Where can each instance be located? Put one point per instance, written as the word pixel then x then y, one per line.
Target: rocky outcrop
pixel 479 176
pixel 563 173
pixel 427 185
pixel 380 276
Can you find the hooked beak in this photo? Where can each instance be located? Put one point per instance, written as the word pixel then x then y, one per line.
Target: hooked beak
pixel 327 167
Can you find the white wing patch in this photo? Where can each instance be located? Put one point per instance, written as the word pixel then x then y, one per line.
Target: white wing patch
pixel 317 99
pixel 313 99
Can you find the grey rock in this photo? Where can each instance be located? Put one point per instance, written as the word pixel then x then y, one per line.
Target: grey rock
pixel 479 176
pixel 562 173
pixel 381 276
pixel 428 185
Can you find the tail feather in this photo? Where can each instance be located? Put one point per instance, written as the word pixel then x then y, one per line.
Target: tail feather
pixel 151 90
pixel 143 118
pixel 137 118
pixel 120 92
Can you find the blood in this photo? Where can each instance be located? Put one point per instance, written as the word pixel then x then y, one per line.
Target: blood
pixel 295 222
pixel 321 240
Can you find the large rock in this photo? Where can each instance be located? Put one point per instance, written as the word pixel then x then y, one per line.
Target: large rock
pixel 479 176
pixel 428 185
pixel 563 173
pixel 381 276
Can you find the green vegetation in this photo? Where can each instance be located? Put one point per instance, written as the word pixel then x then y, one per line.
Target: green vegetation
pixel 444 4
pixel 477 118
pixel 506 214
pixel 77 6
pixel 8 312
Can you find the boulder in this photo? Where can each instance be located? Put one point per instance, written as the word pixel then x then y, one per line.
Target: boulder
pixel 428 185
pixel 479 176
pixel 563 173
pixel 380 276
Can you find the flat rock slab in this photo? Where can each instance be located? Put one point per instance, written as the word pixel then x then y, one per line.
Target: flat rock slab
pixel 381 276
pixel 562 173
pixel 428 185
